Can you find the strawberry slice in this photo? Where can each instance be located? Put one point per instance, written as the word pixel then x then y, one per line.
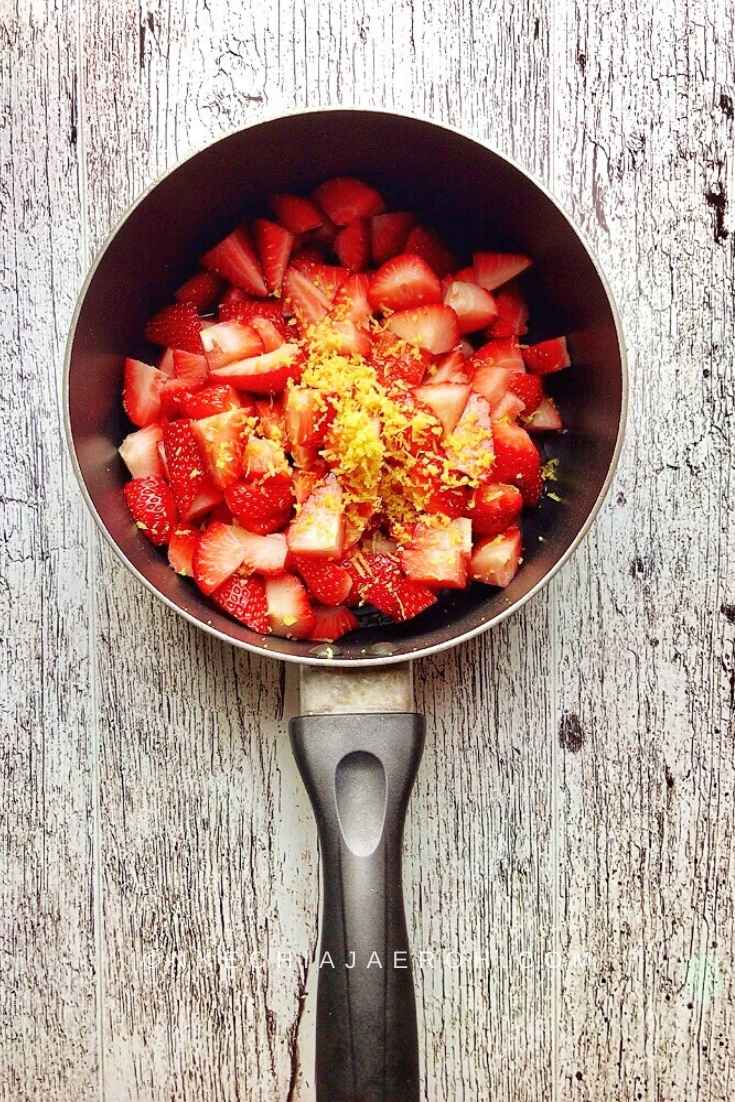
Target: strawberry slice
pixel 289 608
pixel 262 505
pixel 517 460
pixel 545 418
pixel 235 259
pixel 439 555
pixel 466 275
pixel 151 506
pixel 271 335
pixel 351 302
pixel 190 369
pixel 166 363
pixel 474 307
pixel 395 361
pixel 388 233
pixel 139 452
pixel 501 353
pixel 496 560
pixel 379 581
pixel 264 553
pixel 529 389
pixel 236 306
pixel 271 417
pixel 176 326
pixel 327 278
pixel 274 245
pixel 142 389
pixel 228 341
pixel 344 199
pixel 450 368
pixel 264 458
pixel 332 623
pixel 495 506
pixel 303 299
pixel 434 328
pixel 469 448
pixel 219 553
pixel 304 483
pixel 217 398
pixel 445 400
pixel 244 599
pixel 201 291
pixel 181 548
pixel 509 407
pixel 328 582
pixel 222 438
pixel 297 214
pixel 317 531
pixel 494 269
pixel 205 501
pixel 307 416
pixel 266 374
pixel 186 466
pixel 429 246
pixel 352 245
pixel 512 313
pixel 493 383
pixel 547 356
pixel 404 282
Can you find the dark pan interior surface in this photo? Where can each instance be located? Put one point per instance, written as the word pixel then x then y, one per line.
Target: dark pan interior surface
pixel 476 198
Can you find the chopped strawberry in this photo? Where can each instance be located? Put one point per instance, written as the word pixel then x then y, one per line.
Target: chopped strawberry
pixel 529 389
pixel 495 506
pixel 262 505
pixel 510 406
pixel 433 495
pixel 512 313
pixel 176 326
pixel 327 582
pixel 545 418
pixel 202 290
pixel 493 383
pixel 187 468
pixel 166 363
pixel 271 417
pixel 494 269
pixel 207 499
pixel 307 416
pixel 217 398
pixel 139 452
pixel 450 368
pixel 318 528
pixel 274 245
pixel 229 341
pixel 445 400
pixel 430 247
pixel 271 336
pixel 303 299
pixel 289 608
pixel 266 374
pixel 344 199
pixel 431 327
pixel 238 307
pixel 219 553
pixel 351 301
pixel 235 259
pixel 308 458
pixel 379 581
pixel 297 214
pixel 517 460
pixel 388 233
pixel 151 506
pixel 501 353
pixel 222 438
pixel 265 553
pixel 352 245
pixel 469 448
pixel 327 278
pixel 332 623
pixel 304 482
pixel 404 282
pixel 190 369
pixel 439 554
pixel 181 548
pixel 142 392
pixel 264 458
pixel 395 360
pixel 473 306
pixel 547 356
pixel 466 275
pixel 244 599
pixel 495 560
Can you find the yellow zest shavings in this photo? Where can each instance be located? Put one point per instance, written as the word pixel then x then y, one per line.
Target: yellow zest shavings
pixel 550 471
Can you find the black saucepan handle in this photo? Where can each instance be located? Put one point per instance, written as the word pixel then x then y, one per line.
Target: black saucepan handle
pixel 358 771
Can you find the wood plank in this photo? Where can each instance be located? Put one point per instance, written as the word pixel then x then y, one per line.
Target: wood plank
pixel 47 950
pixel 644 634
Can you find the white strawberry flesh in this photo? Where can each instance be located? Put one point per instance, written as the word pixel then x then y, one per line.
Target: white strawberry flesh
pixel 495 561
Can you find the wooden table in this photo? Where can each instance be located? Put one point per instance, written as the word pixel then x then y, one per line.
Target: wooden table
pixel 570 863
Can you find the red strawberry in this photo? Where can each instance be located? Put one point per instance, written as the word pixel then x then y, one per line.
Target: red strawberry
pixel 350 341
pixel 547 356
pixel 271 335
pixel 139 452
pixel 512 313
pixel 431 327
pixel 545 418
pixel 327 278
pixel 306 302
pixel 445 400
pixel 187 469
pixel 238 307
pixel 344 199
pixel 206 500
pixel 221 438
pixel 510 406
pixel 433 496
pixel 190 369
pixel 500 353
pixel 176 326
pixel 466 275
pixel 244 599
pixel 388 234
pixel 216 398
pixel 304 483
pixel 181 548
pixel 297 214
pixel 528 388
pixel 494 269
pixel 307 418
pixel 439 555
pixel 151 505
pixel 332 623
pixel 142 389
pixel 271 416
pixel 352 245
pixel 289 608
pixel 450 368
pixel 327 582
pixel 430 247
pixel 473 306
pixel 351 301
pixel 493 383
pixel 264 554
pixel 517 460
pixel 266 374
pixel 469 448
pixel 394 361
pixel 495 506
pixel 202 290
pixel 219 553
pixel 229 341
pixel 264 458
pixel 404 282
pixel 380 581
pixel 235 259
pixel 318 529
pixel 496 560
pixel 262 505
pixel 274 248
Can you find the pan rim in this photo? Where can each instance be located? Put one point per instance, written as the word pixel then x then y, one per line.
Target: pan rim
pixel 373 660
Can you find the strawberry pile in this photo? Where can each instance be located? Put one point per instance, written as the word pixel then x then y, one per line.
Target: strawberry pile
pixel 340 416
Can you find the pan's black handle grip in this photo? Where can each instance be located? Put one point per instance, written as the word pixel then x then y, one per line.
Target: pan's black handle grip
pixel 358 771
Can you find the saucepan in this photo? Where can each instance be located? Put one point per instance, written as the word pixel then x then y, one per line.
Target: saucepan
pixel 358 741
